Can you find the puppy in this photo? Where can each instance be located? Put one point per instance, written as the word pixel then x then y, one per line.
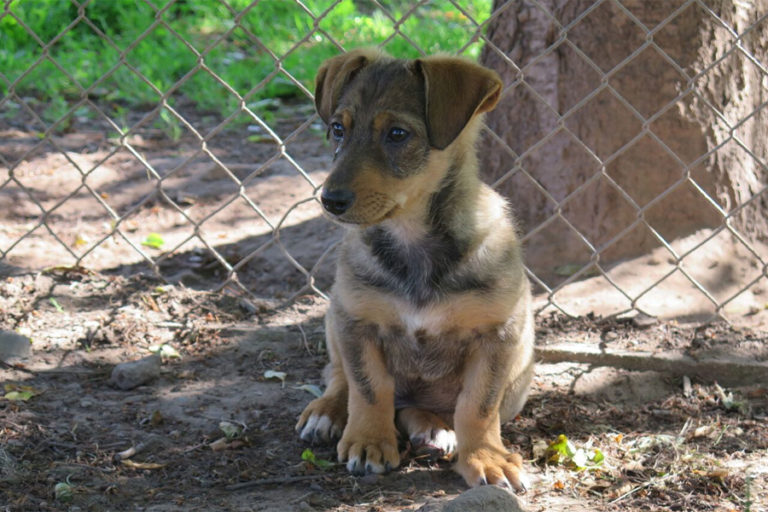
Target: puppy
pixel 430 328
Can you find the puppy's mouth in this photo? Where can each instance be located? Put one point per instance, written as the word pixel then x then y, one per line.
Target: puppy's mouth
pixel 367 209
pixel 358 219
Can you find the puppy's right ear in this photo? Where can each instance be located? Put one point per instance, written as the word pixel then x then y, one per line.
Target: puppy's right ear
pixel 335 73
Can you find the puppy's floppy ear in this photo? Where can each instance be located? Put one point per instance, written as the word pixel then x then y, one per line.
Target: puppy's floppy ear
pixel 335 73
pixel 456 90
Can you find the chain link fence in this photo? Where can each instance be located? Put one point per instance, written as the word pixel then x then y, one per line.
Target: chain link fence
pixel 227 201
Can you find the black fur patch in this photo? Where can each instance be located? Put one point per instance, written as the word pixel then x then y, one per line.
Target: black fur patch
pixel 424 271
pixel 416 270
pixel 355 335
pixel 441 202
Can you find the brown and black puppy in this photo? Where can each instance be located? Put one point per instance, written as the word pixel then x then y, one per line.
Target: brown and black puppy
pixel 430 326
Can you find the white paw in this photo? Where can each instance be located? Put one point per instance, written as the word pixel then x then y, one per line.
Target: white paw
pixel 319 428
pixel 519 486
pixel 356 466
pixel 440 441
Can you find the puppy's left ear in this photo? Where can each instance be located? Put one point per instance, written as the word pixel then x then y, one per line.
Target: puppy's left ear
pixel 456 90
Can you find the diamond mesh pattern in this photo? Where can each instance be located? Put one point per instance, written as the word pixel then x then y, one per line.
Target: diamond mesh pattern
pixel 265 254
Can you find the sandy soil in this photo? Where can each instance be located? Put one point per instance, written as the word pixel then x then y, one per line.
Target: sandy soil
pixel 213 432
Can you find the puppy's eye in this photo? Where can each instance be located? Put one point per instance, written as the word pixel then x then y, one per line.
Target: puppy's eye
pixel 337 131
pixel 397 135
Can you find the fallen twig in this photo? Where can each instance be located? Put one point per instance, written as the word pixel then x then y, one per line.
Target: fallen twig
pixel 729 371
pixel 305 340
pixel 9 366
pixel 72 371
pixel 652 481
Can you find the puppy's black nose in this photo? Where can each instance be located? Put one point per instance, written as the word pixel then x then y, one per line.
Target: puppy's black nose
pixel 337 201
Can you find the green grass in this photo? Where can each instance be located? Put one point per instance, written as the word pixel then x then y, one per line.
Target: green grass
pixel 147 55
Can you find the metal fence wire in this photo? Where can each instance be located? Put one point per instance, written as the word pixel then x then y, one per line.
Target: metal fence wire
pixel 229 202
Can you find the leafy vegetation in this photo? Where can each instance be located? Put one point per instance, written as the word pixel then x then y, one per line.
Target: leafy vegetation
pixel 154 240
pixel 309 457
pixel 132 53
pixel 563 451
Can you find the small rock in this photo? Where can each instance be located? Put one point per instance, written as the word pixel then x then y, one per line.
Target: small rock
pixel 248 306
pixel 13 345
pixel 487 498
pixel 135 373
pixel 687 389
pixel 643 321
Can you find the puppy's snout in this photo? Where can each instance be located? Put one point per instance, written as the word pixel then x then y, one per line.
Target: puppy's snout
pixel 337 201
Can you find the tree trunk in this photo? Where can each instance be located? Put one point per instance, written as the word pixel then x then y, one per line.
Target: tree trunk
pixel 622 141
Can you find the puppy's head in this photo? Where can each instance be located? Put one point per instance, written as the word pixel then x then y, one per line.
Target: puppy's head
pixel 391 121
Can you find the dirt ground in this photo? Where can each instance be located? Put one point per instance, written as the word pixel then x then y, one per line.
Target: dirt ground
pixel 665 447
pixel 214 430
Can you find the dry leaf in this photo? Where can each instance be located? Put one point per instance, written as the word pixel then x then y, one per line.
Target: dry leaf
pixel 219 444
pixel 19 392
pixel 272 374
pixel 540 449
pixel 224 444
pixel 619 489
pixel 718 474
pixel 703 431
pixel 156 418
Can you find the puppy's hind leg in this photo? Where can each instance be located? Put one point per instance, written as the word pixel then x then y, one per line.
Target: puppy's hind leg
pixel 516 393
pixel 323 420
pixel 428 433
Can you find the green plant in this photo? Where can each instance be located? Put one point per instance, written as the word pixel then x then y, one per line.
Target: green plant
pixel 169 124
pixel 133 52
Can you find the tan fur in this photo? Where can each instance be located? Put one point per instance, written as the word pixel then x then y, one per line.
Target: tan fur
pixel 370 431
pixel 430 324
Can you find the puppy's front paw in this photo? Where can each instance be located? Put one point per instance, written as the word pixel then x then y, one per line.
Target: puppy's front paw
pixel 490 464
pixel 323 420
pixel 368 453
